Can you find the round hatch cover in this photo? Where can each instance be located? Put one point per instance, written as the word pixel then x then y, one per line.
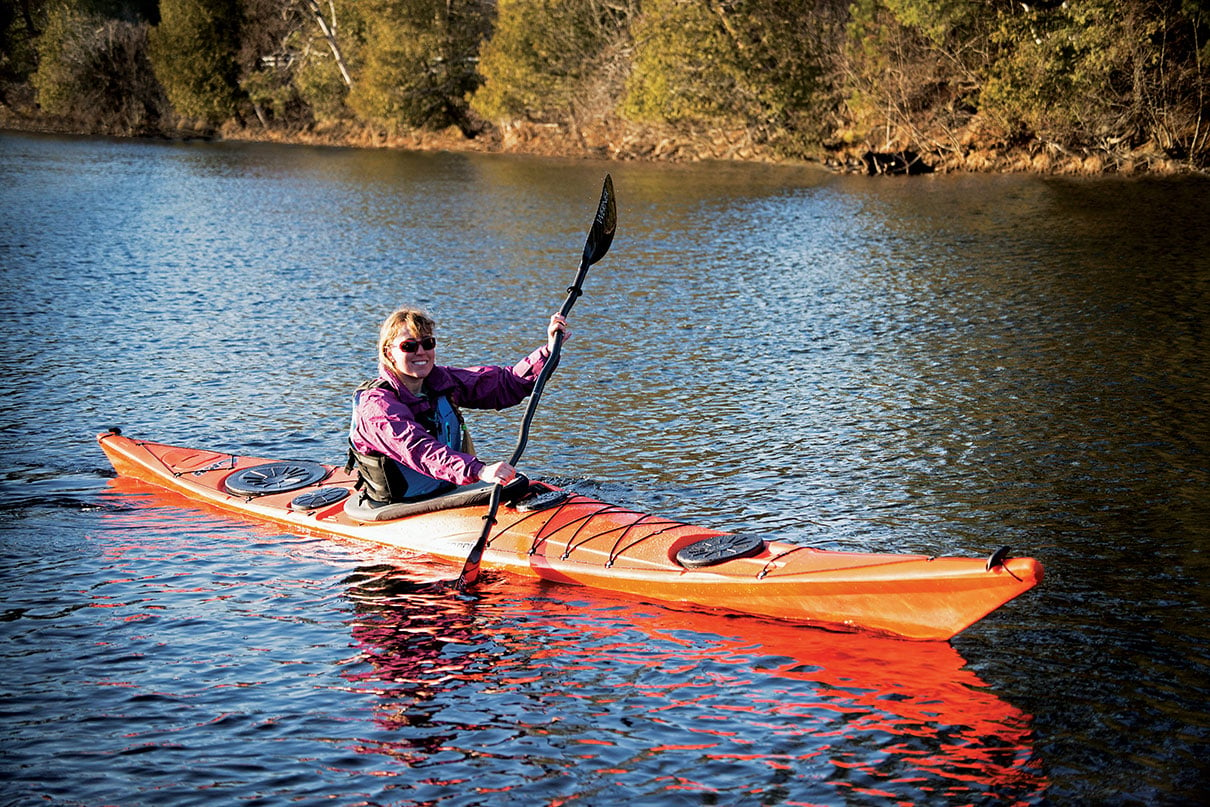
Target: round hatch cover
pixel 719 548
pixel 274 477
pixel 542 501
pixel 315 499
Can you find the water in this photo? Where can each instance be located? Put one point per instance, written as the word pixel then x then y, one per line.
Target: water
pixel 941 365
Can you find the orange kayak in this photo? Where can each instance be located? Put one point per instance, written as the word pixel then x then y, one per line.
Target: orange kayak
pixel 555 535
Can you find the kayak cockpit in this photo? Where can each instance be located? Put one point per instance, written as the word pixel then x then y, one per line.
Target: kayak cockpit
pixel 521 492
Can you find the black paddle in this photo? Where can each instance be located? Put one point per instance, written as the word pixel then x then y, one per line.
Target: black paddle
pixel 599 239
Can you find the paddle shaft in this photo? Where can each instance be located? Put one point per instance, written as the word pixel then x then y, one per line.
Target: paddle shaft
pixel 600 236
pixel 470 569
pixel 548 368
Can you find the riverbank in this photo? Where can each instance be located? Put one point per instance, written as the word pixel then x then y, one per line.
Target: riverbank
pixel 973 150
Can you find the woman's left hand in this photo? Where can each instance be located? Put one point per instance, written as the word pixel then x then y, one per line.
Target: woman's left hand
pixel 558 323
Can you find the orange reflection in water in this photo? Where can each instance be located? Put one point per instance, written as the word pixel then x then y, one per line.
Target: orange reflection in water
pixel 626 691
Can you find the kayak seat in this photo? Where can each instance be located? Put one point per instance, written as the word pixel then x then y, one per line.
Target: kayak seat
pixel 364 508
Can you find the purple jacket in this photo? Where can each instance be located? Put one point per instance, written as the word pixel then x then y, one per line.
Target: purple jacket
pixel 385 420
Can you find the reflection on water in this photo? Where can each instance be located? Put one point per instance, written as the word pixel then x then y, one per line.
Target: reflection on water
pixel 569 697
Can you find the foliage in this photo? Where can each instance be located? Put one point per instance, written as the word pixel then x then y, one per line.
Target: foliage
pixel 1082 77
pixel 18 30
pixel 193 52
pixel 1107 78
pixel 758 64
pixel 789 73
pixel 1101 73
pixel 309 63
pixel 316 79
pixel 685 66
pixel 1056 72
pixel 542 62
pixel 95 72
pixel 910 72
pixel 418 62
pixel 266 61
pixel 22 22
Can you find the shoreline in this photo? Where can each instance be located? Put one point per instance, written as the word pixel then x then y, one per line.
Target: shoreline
pixel 627 142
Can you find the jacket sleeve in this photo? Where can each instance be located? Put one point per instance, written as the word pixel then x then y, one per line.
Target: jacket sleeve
pixel 499 387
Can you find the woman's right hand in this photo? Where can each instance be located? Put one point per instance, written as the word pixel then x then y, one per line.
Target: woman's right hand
pixel 498 473
pixel 558 324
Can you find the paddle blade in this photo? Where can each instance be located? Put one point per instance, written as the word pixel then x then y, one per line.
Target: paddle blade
pixel 603 226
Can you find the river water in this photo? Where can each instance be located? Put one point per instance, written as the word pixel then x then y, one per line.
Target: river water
pixel 939 365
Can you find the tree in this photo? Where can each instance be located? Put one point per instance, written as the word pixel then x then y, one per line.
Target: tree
pixel 329 32
pixel 547 58
pixel 1104 75
pixel 685 66
pixel 317 56
pixel 193 52
pixel 18 57
pixel 95 72
pixel 911 71
pixel 757 64
pixel 418 62
pixel 267 61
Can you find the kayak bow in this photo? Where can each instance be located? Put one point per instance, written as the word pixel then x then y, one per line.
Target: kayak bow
pixel 552 534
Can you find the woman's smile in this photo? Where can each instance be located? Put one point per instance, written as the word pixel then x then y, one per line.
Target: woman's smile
pixel 420 363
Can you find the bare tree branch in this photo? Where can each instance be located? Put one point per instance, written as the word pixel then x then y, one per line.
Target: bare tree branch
pixel 330 35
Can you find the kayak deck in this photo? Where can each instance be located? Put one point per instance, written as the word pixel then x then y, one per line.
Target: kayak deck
pixel 578 540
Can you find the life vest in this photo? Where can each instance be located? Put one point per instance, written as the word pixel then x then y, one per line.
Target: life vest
pixel 387 480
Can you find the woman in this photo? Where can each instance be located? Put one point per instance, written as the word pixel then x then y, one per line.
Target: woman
pixel 407 440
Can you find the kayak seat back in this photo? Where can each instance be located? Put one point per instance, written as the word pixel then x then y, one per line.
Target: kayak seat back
pixel 365 509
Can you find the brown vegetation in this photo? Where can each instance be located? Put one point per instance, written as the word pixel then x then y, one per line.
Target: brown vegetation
pixel 878 86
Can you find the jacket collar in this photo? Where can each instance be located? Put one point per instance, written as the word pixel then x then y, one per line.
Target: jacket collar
pixel 438 382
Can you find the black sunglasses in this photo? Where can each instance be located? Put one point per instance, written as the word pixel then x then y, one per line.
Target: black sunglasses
pixel 412 345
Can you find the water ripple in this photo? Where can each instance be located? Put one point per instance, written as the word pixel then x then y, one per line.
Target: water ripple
pixel 935 366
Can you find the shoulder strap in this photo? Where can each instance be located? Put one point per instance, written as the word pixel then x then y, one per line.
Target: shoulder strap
pixel 373 383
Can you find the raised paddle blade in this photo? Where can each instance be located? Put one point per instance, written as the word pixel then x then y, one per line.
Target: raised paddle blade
pixel 603 226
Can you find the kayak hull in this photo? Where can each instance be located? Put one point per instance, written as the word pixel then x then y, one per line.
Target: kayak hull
pixel 585 542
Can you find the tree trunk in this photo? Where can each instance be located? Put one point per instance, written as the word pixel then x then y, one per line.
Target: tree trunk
pixel 330 35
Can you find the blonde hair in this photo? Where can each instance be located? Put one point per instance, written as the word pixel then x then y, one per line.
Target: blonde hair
pixel 404 322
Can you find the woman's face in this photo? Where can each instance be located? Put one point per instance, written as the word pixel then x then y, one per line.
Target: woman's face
pixel 414 356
